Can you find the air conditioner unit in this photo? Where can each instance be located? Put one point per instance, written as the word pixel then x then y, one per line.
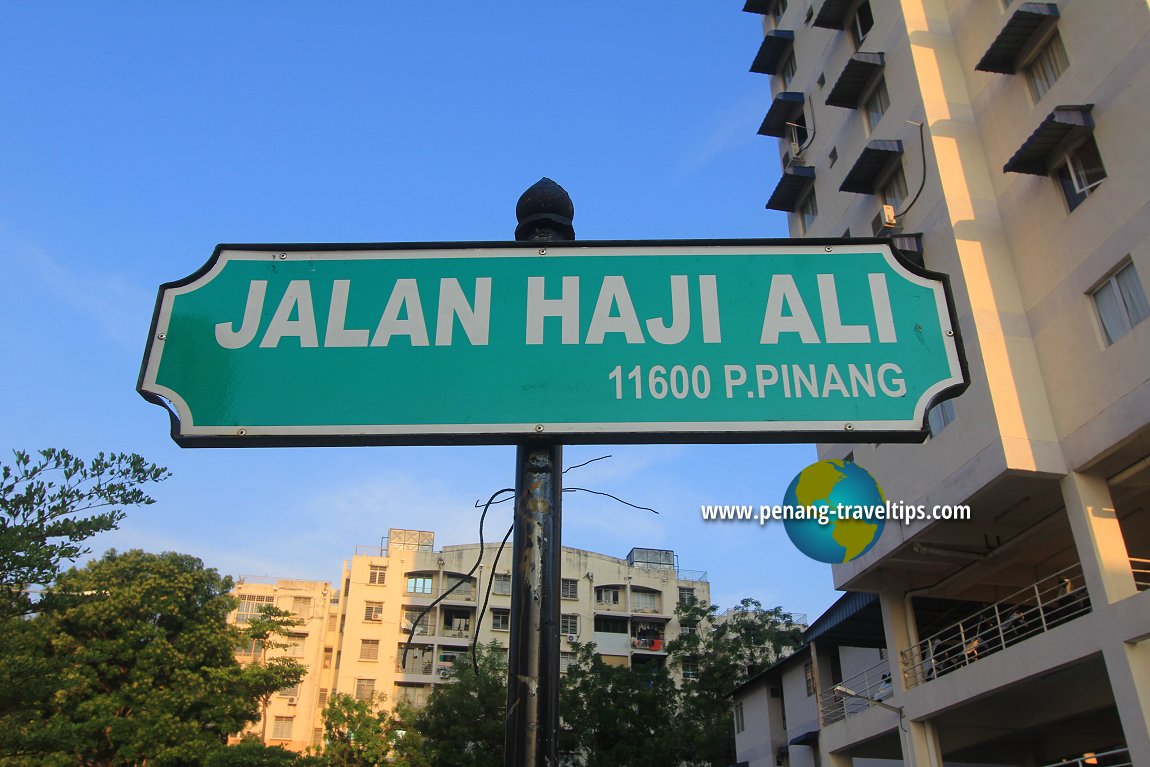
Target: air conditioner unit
pixel 443 672
pixel 291 701
pixel 885 223
pixel 572 637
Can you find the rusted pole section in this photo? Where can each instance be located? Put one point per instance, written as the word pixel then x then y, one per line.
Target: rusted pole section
pixel 544 213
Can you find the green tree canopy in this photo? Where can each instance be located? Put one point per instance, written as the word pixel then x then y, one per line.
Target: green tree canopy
pixel 50 505
pixel 721 652
pixel 141 670
pixel 463 722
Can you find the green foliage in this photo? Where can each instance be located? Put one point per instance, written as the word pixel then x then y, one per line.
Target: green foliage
pixel 45 505
pixel 724 652
pixel 250 752
pixel 357 732
pixel 463 722
pixel 626 717
pixel 142 669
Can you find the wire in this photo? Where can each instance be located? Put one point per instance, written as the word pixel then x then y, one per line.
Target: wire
pixel 613 497
pixel 922 183
pixel 486 597
pixel 581 465
pixel 444 595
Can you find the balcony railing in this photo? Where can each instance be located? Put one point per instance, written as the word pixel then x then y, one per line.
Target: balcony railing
pixel 1141 568
pixel 1050 602
pixel 874 683
pixel 654 644
pixel 414 667
pixel 1118 757
pixel 462 633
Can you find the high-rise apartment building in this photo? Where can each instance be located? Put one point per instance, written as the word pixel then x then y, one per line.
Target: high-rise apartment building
pixel 355 637
pixel 1000 142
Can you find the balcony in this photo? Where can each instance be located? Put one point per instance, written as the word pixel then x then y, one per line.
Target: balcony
pixel 1118 757
pixel 873 683
pixel 1141 570
pixel 1033 610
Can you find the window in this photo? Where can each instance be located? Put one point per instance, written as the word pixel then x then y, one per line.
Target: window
pixel 249 607
pixel 822 80
pixel 1080 173
pixel 317 737
pixel 569 588
pixel 739 725
pixel 566 661
pixel 777 11
pixel 301 606
pixel 939 416
pixel 686 631
pixel 412 618
pixel 876 104
pixel 787 71
pixel 610 625
pixel 690 669
pixel 1044 69
pixel 893 192
pixel 281 728
pixel 369 649
pixel 798 130
pixel 861 23
pixel 644 601
pixel 364 689
pixel 293 645
pixel 568 624
pixel 327 653
pixel 417 584
pixel 1121 303
pixel 373 611
pixel 332 622
pixel 500 620
pixel 607 595
pixel 322 698
pixel 686 595
pixel 809 677
pixel 251 648
pixel 501 583
pixel 808 210
pixel 376 575
pixel 289 692
pixel 832 157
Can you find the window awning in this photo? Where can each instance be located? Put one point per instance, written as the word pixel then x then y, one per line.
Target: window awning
pixel 808 738
pixel 794 183
pixel 773 52
pixel 875 160
pixel 833 14
pixel 758 6
pixel 784 109
pixel 860 71
pixel 1063 127
pixel 1026 24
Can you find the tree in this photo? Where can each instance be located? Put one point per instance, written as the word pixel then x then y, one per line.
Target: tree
pixel 142 669
pixel 463 722
pixel 265 629
pixel 618 715
pixel 44 516
pixel 251 752
pixel 719 654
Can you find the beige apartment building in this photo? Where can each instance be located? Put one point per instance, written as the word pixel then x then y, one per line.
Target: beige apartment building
pixel 354 637
pixel 1006 140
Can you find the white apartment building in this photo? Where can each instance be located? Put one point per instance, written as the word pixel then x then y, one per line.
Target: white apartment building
pixel 1007 140
pixel 354 643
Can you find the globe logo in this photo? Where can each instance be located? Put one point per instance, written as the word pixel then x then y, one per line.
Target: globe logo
pixel 829 484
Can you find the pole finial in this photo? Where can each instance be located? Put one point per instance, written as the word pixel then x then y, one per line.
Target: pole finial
pixel 545 212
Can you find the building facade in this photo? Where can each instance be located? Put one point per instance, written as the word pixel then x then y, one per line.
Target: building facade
pixel 405 612
pixel 998 142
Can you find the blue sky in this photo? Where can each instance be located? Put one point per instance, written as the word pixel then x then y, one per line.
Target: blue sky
pixel 138 135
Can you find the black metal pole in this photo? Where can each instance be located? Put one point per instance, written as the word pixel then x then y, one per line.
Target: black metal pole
pixel 544 213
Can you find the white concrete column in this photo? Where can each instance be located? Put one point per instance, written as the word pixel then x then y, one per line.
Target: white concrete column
pixel 1098 537
pixel 901 633
pixel 920 745
pixel 1109 579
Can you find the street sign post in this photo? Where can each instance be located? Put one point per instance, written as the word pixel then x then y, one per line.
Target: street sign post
pixel 600 342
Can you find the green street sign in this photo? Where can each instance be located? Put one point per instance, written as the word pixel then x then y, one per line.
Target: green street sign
pixel 687 341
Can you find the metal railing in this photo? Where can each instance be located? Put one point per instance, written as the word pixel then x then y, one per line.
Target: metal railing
pixel 691 575
pixel 1118 757
pixel 464 633
pixel 1035 609
pixel 1141 569
pixel 873 684
pixel 414 667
